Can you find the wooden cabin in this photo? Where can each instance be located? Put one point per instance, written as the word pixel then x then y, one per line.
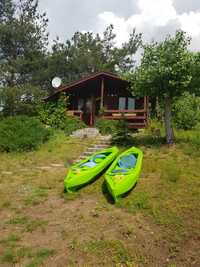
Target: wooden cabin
pixel 104 95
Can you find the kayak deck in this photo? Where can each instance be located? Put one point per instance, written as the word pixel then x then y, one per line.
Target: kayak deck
pixel 124 172
pixel 86 170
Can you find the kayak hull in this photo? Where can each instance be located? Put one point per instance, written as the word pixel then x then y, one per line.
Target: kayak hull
pixel 78 176
pixel 121 183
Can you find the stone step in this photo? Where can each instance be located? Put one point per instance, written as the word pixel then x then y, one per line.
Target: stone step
pixel 92 149
pixel 101 146
pixel 87 153
pixel 102 142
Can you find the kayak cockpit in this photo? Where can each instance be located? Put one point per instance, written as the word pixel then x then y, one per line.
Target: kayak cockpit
pixel 125 164
pixel 94 160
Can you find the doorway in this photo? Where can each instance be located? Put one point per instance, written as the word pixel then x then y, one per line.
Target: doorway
pixel 88 111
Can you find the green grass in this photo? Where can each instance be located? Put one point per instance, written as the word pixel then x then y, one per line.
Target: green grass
pixel 40 256
pixel 170 172
pixel 139 201
pixel 108 248
pixel 28 224
pixel 36 257
pixel 36 196
pixel 165 201
pixel 8 256
pixel 168 190
pixel 11 240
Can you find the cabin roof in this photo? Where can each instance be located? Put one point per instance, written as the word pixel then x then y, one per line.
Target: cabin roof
pixel 80 82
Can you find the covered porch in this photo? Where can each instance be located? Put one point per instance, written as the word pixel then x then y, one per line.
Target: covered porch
pixel 105 95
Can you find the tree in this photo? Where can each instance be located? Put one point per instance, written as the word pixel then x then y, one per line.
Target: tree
pixel 86 53
pixel 23 41
pixel 195 70
pixel 186 111
pixel 20 100
pixel 164 72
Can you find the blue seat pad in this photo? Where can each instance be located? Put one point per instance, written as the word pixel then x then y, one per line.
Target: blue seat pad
pixel 127 162
pixel 91 163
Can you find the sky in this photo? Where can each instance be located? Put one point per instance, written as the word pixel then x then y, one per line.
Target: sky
pixel 153 18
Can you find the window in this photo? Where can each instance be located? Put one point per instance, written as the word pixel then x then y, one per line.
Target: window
pixel 131 103
pixel 122 103
pixel 126 103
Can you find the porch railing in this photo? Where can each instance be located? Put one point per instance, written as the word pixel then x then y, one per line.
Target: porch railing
pixel 137 118
pixel 78 113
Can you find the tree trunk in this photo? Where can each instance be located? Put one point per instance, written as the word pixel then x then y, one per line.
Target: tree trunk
pixel 168 121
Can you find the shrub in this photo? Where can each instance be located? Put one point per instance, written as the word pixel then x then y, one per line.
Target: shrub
pixel 72 124
pixel 106 126
pixel 54 114
pixel 22 133
pixel 122 135
pixel 187 111
pixel 20 100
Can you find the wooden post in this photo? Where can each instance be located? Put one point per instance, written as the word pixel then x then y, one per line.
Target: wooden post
pixel 145 110
pixel 145 103
pixel 92 111
pixel 102 92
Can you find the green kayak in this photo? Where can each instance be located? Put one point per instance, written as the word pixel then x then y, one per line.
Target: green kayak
pixel 124 172
pixel 86 170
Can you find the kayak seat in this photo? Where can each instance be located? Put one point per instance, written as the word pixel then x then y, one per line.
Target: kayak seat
pixel 127 162
pixel 93 161
pixel 89 164
pixel 98 157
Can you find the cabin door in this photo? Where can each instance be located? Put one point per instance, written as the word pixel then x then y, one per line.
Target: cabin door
pixel 88 111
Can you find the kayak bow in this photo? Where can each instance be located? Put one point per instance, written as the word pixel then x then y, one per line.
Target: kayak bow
pixel 86 170
pixel 124 172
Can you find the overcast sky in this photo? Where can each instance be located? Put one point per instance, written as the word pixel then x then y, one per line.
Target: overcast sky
pixel 153 18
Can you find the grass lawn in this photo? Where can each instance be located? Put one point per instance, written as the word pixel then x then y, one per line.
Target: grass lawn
pixel 156 224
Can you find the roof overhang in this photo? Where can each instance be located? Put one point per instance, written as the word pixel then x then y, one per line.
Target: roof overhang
pixel 81 82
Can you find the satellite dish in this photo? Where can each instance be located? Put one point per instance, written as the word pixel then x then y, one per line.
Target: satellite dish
pixel 56 82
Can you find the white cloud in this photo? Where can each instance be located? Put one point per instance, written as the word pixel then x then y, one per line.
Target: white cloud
pixel 155 19
pixel 190 22
pixel 119 23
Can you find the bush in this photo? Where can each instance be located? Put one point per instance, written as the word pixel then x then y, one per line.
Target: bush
pixel 106 126
pixel 186 111
pixel 22 133
pixel 54 115
pixel 20 100
pixel 72 124
pixel 122 135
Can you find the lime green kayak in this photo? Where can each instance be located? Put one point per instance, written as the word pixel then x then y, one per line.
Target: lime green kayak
pixel 86 170
pixel 124 172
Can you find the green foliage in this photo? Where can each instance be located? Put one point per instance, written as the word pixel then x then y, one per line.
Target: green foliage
pixel 187 111
pixel 20 100
pixel 122 135
pixel 54 114
pixel 22 133
pixel 86 53
pixel 106 126
pixel 195 70
pixel 165 68
pixel 164 72
pixel 72 124
pixel 23 41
